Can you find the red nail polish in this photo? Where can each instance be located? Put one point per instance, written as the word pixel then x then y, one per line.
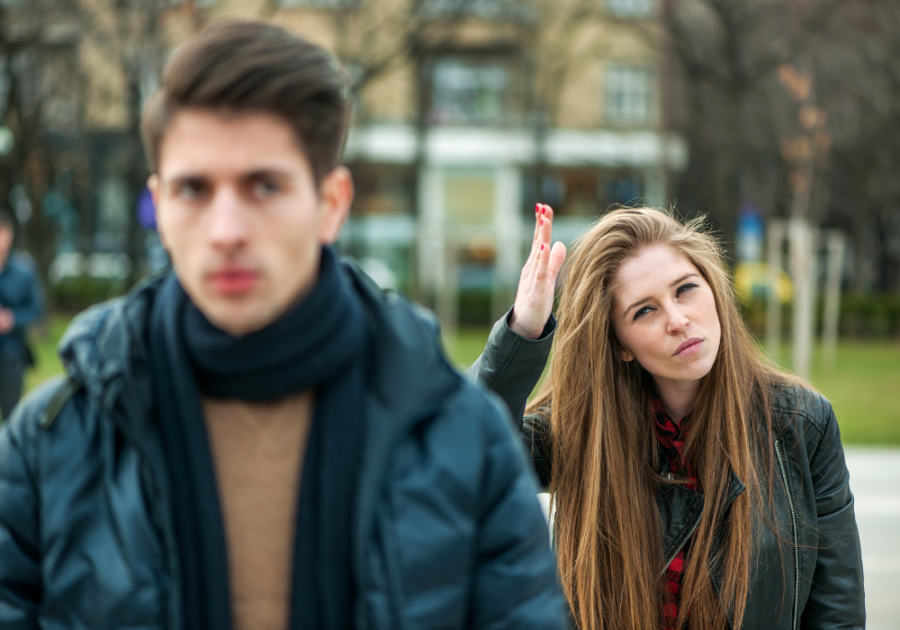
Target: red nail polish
pixel 537 207
pixel 542 247
pixel 543 209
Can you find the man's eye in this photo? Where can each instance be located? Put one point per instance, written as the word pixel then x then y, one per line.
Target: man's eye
pixel 685 288
pixel 263 189
pixel 641 312
pixel 190 190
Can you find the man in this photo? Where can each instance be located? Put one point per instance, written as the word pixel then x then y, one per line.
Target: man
pixel 259 439
pixel 21 305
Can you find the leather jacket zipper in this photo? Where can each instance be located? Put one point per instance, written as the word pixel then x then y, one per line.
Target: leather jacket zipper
pixel 790 497
pixel 682 543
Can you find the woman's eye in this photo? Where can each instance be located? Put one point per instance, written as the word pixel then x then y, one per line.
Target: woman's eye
pixel 641 312
pixel 684 288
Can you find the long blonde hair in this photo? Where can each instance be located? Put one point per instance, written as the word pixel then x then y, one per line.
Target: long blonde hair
pixel 604 458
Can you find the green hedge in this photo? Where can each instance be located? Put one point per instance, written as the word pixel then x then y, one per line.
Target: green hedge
pixel 72 295
pixel 863 316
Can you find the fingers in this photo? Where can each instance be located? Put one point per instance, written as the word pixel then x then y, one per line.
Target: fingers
pixel 526 269
pixel 557 258
pixel 543 248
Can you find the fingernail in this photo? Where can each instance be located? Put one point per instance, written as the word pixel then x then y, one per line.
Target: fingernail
pixel 537 208
pixel 542 247
pixel 542 221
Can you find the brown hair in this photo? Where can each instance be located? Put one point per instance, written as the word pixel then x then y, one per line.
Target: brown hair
pixel 604 460
pixel 243 66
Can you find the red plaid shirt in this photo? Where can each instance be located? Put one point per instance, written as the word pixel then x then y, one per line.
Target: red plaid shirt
pixel 672 438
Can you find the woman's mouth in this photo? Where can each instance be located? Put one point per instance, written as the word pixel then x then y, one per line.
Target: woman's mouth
pixel 689 347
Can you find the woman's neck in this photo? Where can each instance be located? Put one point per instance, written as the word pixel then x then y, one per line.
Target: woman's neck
pixel 678 397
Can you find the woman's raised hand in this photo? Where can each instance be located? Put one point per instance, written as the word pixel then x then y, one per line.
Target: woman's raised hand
pixel 534 298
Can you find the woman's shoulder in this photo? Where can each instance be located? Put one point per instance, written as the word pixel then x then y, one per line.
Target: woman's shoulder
pixel 537 418
pixel 797 406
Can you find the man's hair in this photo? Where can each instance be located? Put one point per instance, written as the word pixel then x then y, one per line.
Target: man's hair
pixel 6 221
pixel 240 67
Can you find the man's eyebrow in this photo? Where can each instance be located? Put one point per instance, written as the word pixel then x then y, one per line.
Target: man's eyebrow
pixel 179 178
pixel 268 171
pixel 647 299
pixel 264 172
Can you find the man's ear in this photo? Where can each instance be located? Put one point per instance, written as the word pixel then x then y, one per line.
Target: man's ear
pixel 336 196
pixel 153 185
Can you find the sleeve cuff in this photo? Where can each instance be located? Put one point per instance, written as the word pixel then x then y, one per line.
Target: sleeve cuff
pixel 547 333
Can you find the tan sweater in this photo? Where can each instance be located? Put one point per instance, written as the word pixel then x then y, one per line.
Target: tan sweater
pixel 258 452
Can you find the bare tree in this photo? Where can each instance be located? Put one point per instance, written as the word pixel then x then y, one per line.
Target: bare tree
pixel 728 54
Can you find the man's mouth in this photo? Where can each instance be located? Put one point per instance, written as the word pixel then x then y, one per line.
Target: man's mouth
pixel 234 281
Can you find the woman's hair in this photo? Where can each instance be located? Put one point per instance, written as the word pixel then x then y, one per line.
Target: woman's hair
pixel 604 457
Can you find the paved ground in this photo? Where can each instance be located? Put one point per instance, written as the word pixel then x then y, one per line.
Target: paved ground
pixel 875 480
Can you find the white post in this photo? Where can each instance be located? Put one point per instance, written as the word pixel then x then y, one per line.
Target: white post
pixel 431 230
pixel 801 263
pixel 447 300
pixel 508 236
pixel 775 235
pixel 831 314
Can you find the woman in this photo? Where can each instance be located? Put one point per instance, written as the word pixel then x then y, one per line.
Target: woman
pixel 694 483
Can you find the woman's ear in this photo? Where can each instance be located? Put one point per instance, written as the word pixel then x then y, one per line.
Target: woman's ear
pixel 626 355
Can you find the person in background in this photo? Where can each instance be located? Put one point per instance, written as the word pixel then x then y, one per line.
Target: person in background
pixel 694 483
pixel 259 439
pixel 21 305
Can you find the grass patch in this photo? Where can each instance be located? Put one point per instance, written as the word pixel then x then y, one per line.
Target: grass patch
pixel 860 385
pixel 44 341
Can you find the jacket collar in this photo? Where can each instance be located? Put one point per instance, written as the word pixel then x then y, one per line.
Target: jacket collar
pixel 680 509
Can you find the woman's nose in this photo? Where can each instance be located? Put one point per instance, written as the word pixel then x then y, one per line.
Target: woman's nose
pixel 677 320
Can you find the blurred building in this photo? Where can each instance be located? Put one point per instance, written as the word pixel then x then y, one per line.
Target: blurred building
pixel 467 113
pixel 471 111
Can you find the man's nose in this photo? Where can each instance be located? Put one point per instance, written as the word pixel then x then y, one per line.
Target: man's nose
pixel 228 227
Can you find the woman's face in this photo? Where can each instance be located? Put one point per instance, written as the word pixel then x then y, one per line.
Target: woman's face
pixel 665 316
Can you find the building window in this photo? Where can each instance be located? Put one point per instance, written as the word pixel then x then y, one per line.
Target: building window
pixel 631 8
pixel 629 94
pixel 316 4
pixel 483 9
pixel 471 91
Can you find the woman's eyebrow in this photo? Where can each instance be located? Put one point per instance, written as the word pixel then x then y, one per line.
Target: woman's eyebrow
pixel 683 278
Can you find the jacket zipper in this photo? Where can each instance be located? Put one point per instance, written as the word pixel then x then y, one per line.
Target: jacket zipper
pixel 790 497
pixel 682 543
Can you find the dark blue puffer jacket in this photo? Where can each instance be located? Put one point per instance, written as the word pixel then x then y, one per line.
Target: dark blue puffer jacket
pixel 449 532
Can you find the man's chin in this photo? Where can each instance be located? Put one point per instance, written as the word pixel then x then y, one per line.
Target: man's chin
pixel 237 320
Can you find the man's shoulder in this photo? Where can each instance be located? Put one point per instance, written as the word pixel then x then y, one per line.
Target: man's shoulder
pixel 36 412
pixel 22 265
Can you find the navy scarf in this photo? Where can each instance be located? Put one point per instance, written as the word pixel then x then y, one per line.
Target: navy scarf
pixel 319 345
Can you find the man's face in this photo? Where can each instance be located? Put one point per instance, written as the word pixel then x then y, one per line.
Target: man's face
pixel 240 215
pixel 6 239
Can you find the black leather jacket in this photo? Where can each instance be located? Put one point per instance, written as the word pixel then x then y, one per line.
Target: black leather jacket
pixel 448 534
pixel 817 581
